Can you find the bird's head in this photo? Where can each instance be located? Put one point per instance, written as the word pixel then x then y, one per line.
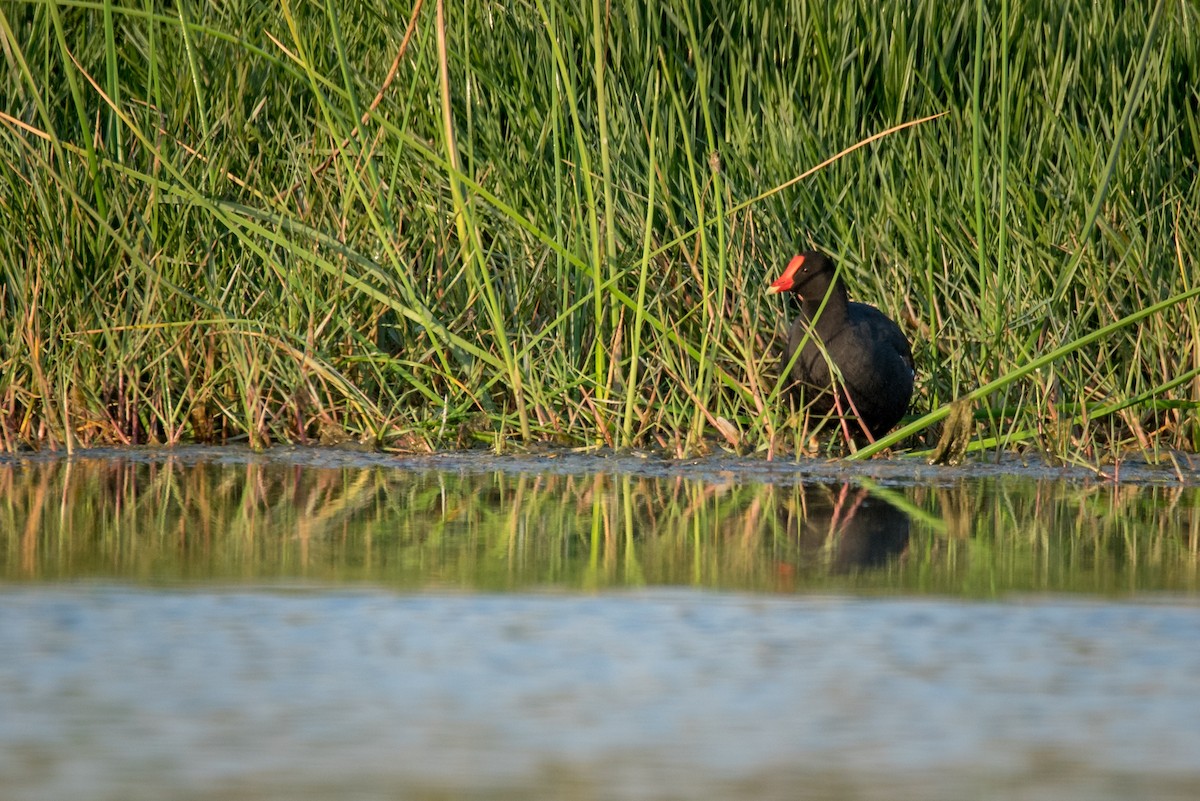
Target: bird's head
pixel 808 275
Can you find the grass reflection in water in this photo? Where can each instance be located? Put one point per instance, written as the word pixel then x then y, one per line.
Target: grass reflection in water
pixel 169 521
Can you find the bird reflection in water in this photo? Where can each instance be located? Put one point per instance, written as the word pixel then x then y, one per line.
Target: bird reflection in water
pixel 840 528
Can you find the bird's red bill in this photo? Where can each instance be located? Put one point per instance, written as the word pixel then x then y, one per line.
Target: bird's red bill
pixel 786 281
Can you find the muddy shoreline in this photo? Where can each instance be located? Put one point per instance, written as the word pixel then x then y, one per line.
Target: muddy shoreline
pixel 1177 468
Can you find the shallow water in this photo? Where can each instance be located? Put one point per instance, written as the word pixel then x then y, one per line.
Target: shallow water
pixel 581 523
pixel 207 624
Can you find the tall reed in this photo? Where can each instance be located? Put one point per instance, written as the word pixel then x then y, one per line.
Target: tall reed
pixel 307 222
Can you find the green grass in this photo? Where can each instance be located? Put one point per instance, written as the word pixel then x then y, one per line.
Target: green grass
pixel 554 222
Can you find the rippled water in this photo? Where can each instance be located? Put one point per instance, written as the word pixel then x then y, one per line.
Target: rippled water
pixel 213 624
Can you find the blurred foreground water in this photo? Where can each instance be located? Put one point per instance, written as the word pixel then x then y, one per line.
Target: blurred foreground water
pixel 202 624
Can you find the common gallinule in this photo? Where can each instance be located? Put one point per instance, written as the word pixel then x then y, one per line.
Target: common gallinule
pixel 870 353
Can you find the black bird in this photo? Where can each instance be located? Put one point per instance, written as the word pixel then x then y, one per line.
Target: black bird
pixel 868 350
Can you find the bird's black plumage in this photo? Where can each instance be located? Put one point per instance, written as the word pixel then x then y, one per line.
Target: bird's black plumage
pixel 868 350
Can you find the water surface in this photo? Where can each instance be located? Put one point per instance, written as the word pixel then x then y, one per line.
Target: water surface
pixel 207 515
pixel 205 624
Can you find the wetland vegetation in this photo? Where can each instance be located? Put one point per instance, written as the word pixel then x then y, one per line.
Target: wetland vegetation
pixel 426 225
